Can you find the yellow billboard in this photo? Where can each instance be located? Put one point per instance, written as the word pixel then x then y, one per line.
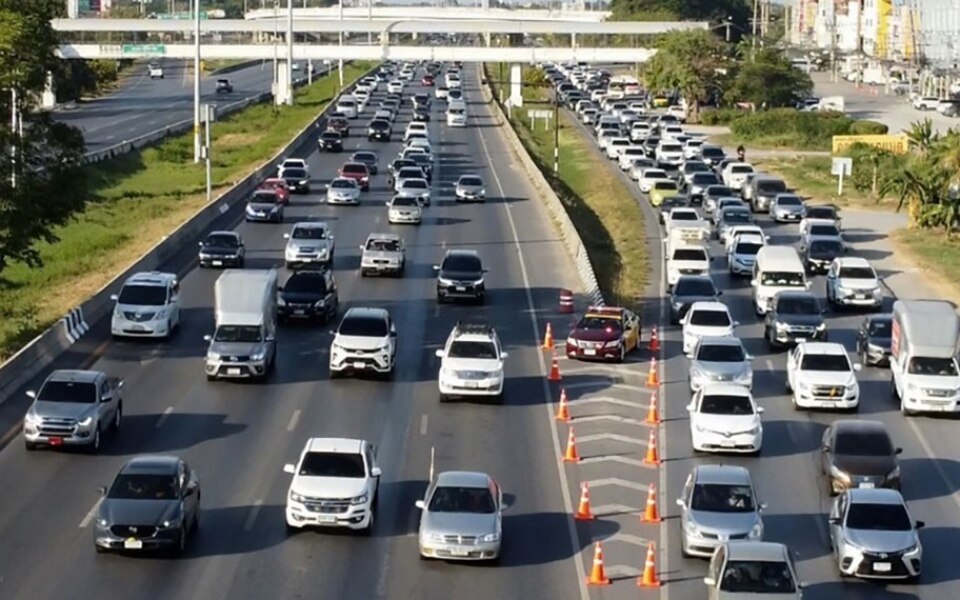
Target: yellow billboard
pixel 898 144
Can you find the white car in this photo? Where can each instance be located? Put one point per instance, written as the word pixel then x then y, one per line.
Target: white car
pixel 720 360
pixel 148 305
pixel 395 87
pixel 725 418
pixel 365 342
pixel 404 209
pixel 639 131
pixel 649 177
pixel 677 112
pixel 420 142
pixel 385 114
pixel 705 319
pixel 684 218
pixel 604 137
pixel 735 174
pixel 335 484
pixel 686 259
pixel 292 163
pixel 742 254
pixel 691 149
pixel 348 105
pixel 418 189
pixel 852 281
pixel 738 230
pixel 629 154
pixel 671 132
pixel 453 81
pixel 383 253
pixel 638 166
pixel 820 375
pixel 309 243
pixel 155 71
pixel 615 145
pixel 418 127
pixel 343 190
pixel 471 363
pixel 669 152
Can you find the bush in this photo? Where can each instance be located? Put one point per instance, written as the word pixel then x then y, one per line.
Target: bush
pixel 799 129
pixel 874 168
pixel 721 116
pixel 867 127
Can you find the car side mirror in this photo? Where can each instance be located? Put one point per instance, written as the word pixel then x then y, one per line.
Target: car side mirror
pixel 807 285
pixel 102 490
pixel 290 468
pixel 857 367
pixel 691 407
pixel 114 297
pixel 763 506
pixel 270 338
pixel 32 394
pixel 436 267
pixel 753 282
pixel 361 247
pixel 200 244
pixel 719 292
pixel 106 398
pixel 898 451
pixel 681 503
pixel 208 338
pixel 710 581
pixel 504 355
pixel 420 504
pixel 376 472
pixel 760 410
pixel 736 323
pixel 919 525
pixel 834 520
pixel 825 448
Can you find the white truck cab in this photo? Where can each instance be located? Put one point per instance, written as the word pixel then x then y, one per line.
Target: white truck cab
pixel 923 356
pixel 820 375
pixel 776 269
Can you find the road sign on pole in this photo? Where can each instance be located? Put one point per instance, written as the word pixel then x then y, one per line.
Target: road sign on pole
pixel 143 50
pixel 841 166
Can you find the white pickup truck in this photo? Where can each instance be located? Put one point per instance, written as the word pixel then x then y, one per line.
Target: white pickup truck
pixel 820 375
pixel 155 71
pixel 686 259
pixel 688 224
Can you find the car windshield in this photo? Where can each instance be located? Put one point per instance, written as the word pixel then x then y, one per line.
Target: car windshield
pixel 684 215
pixel 741 169
pixel 384 245
pixel 461 262
pixel 223 241
pixel 798 306
pixel 309 233
pixel 365 157
pixel 722 497
pixel 789 201
pixel 694 287
pixel 357 168
pixel 857 273
pixel 826 247
pixel 878 517
pixel 713 153
pixel 825 362
pixel 343 184
pixel 921 365
pixel 736 216
pixel 266 198
pixel 863 443
pixel 721 353
pixel 704 178
pixel 363 326
pixel 671 148
pixel 294 174
pixel 143 295
pixel 818 212
pixel 748 248
pixel 449 499
pixel 690 254
pixel 68 391
pixel 824 230
pixel 654 174
pixel 410 173
pixel 332 464
pixel 782 278
pixel 775 187
pixel 717 404
pixel 330 136
pixel 238 333
pixel 757 577
pixel 143 486
pixel 719 190
pixel 608 324
pixel 710 318
pixel 665 185
pixel 404 201
pixel 881 328
pixel 416 184
pixel 306 282
pixel 471 181
pixel 472 349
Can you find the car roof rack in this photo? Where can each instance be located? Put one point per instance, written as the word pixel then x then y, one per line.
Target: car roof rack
pixel 476 328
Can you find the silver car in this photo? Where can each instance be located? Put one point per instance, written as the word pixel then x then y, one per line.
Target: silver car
pixel 461 517
pixel 752 571
pixel 470 188
pixel 718 505
pixel 720 360
pixel 873 535
pixel 308 243
pixel 382 253
pixel 343 190
pixel 73 408
pixel 402 209
pixel 787 208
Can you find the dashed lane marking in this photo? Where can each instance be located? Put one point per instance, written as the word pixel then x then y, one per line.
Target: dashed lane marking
pixel 163 417
pixel 294 419
pixel 252 517
pixel 423 424
pixel 89 516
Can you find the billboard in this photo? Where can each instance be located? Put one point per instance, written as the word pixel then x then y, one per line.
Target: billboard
pixel 898 144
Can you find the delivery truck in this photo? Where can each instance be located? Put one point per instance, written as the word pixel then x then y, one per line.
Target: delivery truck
pixel 923 356
pixel 244 344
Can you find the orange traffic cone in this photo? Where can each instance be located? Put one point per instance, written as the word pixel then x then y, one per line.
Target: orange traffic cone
pixel 583 511
pixel 563 411
pixel 653 414
pixel 654 340
pixel 652 457
pixel 548 338
pixel 597 574
pixel 554 370
pixel 653 376
pixel 571 455
pixel 651 514
pixel 649 577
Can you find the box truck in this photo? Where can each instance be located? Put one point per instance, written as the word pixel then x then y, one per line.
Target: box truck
pixel 244 345
pixel 923 356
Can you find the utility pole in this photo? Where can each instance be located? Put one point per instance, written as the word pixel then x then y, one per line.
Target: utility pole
pixel 859 43
pixel 556 134
pixel 833 47
pixel 276 51
pixel 196 82
pixel 14 128
pixel 289 98
pixel 340 62
pixel 753 39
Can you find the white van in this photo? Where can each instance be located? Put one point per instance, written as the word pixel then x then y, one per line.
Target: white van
pixel 349 106
pixel 457 114
pixel 777 269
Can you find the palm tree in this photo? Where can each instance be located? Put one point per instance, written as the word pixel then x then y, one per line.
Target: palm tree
pixel 947 153
pixel 922 135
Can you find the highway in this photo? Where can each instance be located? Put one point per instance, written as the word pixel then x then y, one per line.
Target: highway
pixel 238 436
pixel 786 474
pixel 141 105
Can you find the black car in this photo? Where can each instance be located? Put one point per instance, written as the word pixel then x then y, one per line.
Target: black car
pixel 330 141
pixel 224 86
pixel 421 100
pixel 690 289
pixel 222 249
pixel 379 130
pixel 857 453
pixel 671 202
pixel 794 316
pixel 308 294
pixel 819 253
pixel 421 113
pixel 460 275
pixel 395 167
pixel 821 212
pixel 264 205
pixel 874 338
pixel 368 158
pixel 297 180
pixel 153 504
pixel 712 155
pixel 650 146
pixel 340 123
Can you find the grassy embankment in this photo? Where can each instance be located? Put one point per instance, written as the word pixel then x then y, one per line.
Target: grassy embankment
pixel 601 207
pixel 138 198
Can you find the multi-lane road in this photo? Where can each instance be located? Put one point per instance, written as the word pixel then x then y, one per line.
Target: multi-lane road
pixel 238 437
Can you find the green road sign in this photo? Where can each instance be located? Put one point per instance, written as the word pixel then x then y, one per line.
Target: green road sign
pixel 143 50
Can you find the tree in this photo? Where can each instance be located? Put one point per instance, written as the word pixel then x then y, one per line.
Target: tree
pixel 41 180
pixel 691 62
pixel 714 11
pixel 922 136
pixel 770 80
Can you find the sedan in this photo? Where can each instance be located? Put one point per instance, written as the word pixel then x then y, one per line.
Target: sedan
pixel 705 319
pixel 874 339
pixel 358 172
pixel 786 208
pixel 718 504
pixel 687 290
pixel 418 189
pixel 330 141
pixel 297 180
pixel 222 249
pixel 873 536
pixel 852 281
pixel 279 186
pixel 403 209
pixel 743 570
pixel 817 254
pixel 380 130
pixel 858 454
pixel 152 504
pixel 730 217
pixel 470 188
pixel 343 190
pixel 724 418
pixel 461 517
pixel 669 203
pixel 720 359
pixel 368 158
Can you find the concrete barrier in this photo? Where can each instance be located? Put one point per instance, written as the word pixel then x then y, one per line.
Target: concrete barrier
pixel 225 208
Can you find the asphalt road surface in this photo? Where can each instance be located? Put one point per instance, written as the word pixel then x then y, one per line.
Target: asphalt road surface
pixel 239 436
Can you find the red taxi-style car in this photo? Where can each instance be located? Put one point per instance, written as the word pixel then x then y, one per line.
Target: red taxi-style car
pixel 279 186
pixel 358 172
pixel 604 333
pixel 427 80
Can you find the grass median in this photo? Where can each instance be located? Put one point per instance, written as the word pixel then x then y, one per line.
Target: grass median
pixel 606 216
pixel 140 197
pixel 936 254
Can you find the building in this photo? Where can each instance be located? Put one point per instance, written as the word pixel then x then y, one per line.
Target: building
pixel 939 32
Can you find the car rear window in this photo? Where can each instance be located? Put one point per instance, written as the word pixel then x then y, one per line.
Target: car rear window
pixel 720 353
pixel 355 168
pixel 294 174
pixel 665 185
pixel 710 318
pixel 384 245
pixel 449 499
pixel 689 254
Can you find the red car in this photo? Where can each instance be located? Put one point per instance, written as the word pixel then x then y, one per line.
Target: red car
pixel 358 172
pixel 278 185
pixel 427 80
pixel 604 333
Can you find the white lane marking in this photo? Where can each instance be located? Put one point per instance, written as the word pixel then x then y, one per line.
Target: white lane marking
pixel 614 509
pixel 88 518
pixel 624 537
pixel 294 419
pixel 423 424
pixel 110 137
pixel 616 418
pixel 769 365
pixel 615 437
pixel 163 417
pixel 548 406
pixel 626 460
pixel 633 485
pixel 254 511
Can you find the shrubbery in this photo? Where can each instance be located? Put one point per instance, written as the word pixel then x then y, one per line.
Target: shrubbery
pixel 801 130
pixel 721 116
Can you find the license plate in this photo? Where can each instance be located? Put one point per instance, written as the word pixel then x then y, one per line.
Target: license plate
pixel 326 519
pixel 358 364
pixel 132 544
pixel 233 371
pixel 882 567
pixel 801 340
pixel 861 296
pixel 56 441
pixel 461 288
pixel 727 443
pixel 471 384
pixel 299 311
pixel 460 552
pixel 590 352
pixel 867 485
pixel 218 263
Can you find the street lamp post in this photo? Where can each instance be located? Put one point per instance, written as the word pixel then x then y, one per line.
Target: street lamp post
pixel 196 82
pixel 556 134
pixel 289 98
pixel 340 62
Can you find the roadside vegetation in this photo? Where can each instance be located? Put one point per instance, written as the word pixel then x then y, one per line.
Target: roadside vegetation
pixel 136 199
pixel 606 216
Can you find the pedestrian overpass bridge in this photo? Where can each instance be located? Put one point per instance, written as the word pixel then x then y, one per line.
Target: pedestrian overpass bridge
pixel 391 13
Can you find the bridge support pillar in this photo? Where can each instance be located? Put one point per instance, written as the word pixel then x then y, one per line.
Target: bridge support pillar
pixel 487 37
pixel 516 86
pixel 48 99
pixel 281 87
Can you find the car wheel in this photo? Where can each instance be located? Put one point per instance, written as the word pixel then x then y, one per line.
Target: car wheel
pixel 368 530
pixel 623 353
pixel 29 446
pixel 444 398
pixel 94 447
pixel 117 417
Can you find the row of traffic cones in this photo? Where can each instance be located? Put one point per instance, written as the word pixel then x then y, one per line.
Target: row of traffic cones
pixel 649 577
pixel 650 514
pixel 548 343
pixel 653 375
pixel 572 455
pixel 652 418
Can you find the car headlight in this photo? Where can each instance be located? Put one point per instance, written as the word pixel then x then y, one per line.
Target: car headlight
pixel 692 528
pixel 433 537
pixel 821 326
pixel 274 209
pixel 296 497
pixel 443 281
pixel 803 386
pixel 281 301
pixel 171 523
pixel 836 473
pixel 31 418
pixel 213 356
pixel 102 522
pixel 359 499
pixel 258 355
pixel 160 315
pixel 912 549
pixel 852 386
pixel 912 387
pixel 492 537
pixel 894 474
pixel 85 422
pixel 755 430
pixel 757 531
pixel 613 344
pixel 320 304
pixel 844 291
pixel 478 281
pixel 304 181
pixel 780 326
pixel 571 341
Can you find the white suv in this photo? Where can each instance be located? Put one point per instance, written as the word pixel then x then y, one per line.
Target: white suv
pixel 820 375
pixel 471 363
pixel 148 305
pixel 309 243
pixel 365 342
pixel 706 319
pixel 851 281
pixel 334 484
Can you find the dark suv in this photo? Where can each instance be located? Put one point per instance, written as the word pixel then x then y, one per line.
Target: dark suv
pixel 460 275
pixel 330 141
pixel 224 86
pixel 308 295
pixel 794 317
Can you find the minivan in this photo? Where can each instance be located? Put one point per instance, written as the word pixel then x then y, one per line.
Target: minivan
pixel 349 106
pixel 777 269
